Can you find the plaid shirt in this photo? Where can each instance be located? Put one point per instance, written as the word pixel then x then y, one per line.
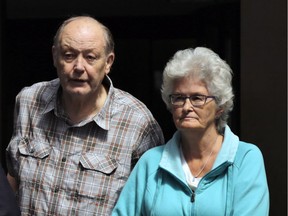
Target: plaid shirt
pixel 65 169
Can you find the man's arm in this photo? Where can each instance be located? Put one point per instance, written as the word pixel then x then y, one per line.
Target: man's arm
pixel 12 182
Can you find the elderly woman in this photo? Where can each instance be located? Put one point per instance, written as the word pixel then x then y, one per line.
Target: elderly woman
pixel 204 169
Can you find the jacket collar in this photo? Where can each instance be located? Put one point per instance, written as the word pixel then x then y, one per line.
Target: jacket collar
pixel 171 160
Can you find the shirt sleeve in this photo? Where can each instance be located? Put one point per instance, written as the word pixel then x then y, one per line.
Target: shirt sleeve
pixel 251 196
pixel 152 136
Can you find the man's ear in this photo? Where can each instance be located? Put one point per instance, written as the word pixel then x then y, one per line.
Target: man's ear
pixel 54 55
pixel 109 62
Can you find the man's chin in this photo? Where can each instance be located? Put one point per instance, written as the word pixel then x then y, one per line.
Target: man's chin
pixel 76 92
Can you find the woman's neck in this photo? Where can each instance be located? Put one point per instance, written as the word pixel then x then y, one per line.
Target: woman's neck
pixel 197 145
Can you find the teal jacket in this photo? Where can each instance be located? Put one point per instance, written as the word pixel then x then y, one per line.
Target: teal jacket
pixel 236 185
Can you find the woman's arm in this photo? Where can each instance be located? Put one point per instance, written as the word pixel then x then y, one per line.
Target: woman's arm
pixel 251 188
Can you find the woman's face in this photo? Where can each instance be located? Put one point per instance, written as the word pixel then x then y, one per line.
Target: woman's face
pixel 187 117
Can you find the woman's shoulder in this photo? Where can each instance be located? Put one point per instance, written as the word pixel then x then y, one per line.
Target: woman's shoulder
pixel 246 147
pixel 248 152
pixel 152 156
pixel 155 152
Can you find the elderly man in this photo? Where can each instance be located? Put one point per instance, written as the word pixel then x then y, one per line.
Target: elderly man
pixel 77 138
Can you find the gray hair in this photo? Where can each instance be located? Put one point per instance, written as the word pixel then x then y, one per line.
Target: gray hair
pixel 109 46
pixel 204 64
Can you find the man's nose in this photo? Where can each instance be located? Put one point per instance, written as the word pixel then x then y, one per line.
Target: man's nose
pixel 79 63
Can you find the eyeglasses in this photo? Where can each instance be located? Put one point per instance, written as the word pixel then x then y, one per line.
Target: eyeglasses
pixel 195 100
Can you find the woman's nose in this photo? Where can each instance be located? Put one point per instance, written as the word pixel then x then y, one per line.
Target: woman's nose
pixel 187 104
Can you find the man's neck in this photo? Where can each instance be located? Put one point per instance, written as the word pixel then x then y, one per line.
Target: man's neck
pixel 81 108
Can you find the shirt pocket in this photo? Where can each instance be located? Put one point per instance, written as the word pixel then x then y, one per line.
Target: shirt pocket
pixel 99 163
pixel 32 155
pixel 97 179
pixel 34 148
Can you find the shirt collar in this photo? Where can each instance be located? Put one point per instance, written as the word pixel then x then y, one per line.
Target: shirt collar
pixel 51 98
pixel 102 119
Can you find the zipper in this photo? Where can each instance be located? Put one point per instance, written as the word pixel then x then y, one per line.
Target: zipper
pixel 193 196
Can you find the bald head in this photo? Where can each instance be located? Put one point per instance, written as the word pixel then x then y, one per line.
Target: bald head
pixel 80 24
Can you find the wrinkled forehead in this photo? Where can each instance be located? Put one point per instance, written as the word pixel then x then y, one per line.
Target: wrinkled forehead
pixel 82 28
pixel 81 34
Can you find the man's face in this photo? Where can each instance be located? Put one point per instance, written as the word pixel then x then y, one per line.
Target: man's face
pixel 80 58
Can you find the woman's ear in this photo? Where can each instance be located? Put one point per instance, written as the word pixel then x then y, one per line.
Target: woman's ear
pixel 219 113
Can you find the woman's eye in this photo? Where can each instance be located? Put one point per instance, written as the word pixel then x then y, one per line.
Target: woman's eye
pixel 197 98
pixel 179 98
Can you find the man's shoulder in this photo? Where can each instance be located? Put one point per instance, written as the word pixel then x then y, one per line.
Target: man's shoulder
pixel 40 88
pixel 128 100
pixel 38 94
pixel 42 84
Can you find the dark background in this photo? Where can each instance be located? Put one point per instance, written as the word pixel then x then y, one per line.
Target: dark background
pixel 143 45
pixel 249 35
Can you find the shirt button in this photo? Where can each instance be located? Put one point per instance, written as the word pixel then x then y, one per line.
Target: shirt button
pixel 64 159
pixel 56 189
pixel 26 140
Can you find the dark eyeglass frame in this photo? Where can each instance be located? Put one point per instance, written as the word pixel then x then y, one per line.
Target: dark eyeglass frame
pixel 192 98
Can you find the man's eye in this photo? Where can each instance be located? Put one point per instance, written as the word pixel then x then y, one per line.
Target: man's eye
pixel 91 58
pixel 69 56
